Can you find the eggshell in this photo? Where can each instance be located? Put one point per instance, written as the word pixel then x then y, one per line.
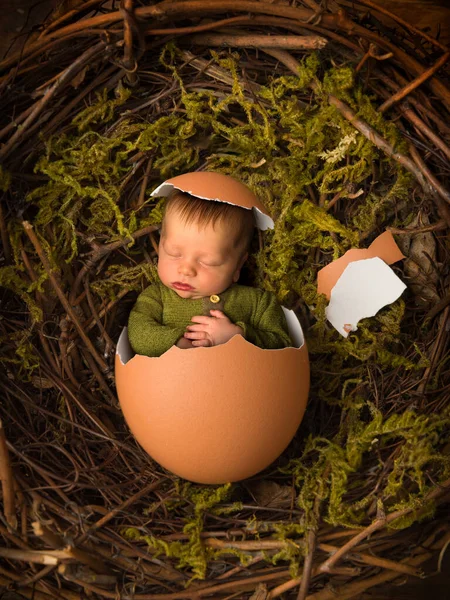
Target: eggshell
pixel 214 415
pixel 383 247
pixel 210 185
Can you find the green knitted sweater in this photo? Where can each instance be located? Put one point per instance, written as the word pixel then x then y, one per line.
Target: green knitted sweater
pixel 160 317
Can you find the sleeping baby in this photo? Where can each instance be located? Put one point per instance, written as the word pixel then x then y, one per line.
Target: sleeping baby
pixel 197 302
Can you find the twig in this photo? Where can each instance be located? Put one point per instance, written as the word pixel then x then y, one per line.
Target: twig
pixel 293 583
pixel 39 591
pixel 112 513
pixel 308 566
pixel 438 198
pixel 60 116
pixel 85 558
pixel 439 226
pixel 372 54
pixel 84 576
pixel 414 84
pixel 9 508
pixel 435 351
pixel 33 238
pixel 141 198
pixel 375 561
pixel 407 61
pixel 52 539
pixel 53 557
pixel 34 578
pixel 197 28
pixel 445 301
pixel 377 7
pixel 287 42
pixel 356 588
pixel 285 58
pixel 65 76
pixel 421 126
pixel 312 540
pixel 443 193
pixel 101 250
pixel 245 583
pixel 247 545
pixel 377 139
pixel 380 523
pixel 90 323
pixel 108 341
pixel 85 6
pixel 33 556
pixel 129 62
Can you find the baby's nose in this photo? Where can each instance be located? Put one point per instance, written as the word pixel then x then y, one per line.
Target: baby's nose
pixel 187 269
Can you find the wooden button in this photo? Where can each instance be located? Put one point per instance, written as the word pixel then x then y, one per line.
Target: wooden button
pixel 214 299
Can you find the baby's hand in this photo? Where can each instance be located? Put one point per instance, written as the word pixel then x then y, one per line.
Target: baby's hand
pixel 212 331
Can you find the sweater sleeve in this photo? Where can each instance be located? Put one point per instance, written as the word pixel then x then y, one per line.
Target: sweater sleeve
pixel 146 331
pixel 268 328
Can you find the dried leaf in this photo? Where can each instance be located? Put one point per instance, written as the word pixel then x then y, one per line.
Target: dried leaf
pixel 261 592
pixel 421 275
pixel 41 382
pixel 270 494
pixel 79 78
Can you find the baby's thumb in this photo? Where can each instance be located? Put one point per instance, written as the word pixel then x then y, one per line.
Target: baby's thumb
pixel 217 313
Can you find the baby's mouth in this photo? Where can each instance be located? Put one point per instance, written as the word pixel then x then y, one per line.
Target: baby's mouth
pixel 183 287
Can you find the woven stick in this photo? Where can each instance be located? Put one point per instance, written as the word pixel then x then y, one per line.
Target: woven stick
pixel 423 127
pixel 65 77
pixel 6 476
pixel 376 7
pixel 380 523
pixel 45 262
pixel 287 42
pixel 414 84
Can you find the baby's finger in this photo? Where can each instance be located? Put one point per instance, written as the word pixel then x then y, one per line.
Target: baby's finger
pixel 199 343
pixel 195 335
pixel 199 327
pixel 201 319
pixel 218 314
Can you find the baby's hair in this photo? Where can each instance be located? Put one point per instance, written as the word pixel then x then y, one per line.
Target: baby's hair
pixel 209 212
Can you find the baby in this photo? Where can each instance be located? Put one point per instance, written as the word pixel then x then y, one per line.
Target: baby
pixel 197 302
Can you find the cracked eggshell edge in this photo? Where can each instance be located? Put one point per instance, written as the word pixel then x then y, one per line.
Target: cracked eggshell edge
pixel 218 187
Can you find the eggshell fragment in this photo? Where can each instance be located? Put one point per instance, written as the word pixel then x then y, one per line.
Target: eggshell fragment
pixel 210 185
pixel 383 247
pixel 360 292
pixel 214 415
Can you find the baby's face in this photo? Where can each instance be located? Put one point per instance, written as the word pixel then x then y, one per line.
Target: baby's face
pixel 197 262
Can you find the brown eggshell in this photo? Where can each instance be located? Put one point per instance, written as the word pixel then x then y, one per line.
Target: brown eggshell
pixel 214 415
pixel 210 185
pixel 383 247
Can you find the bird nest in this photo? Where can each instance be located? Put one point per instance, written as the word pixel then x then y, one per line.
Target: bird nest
pixel 336 114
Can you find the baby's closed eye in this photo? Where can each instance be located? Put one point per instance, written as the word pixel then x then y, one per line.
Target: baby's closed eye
pixel 210 264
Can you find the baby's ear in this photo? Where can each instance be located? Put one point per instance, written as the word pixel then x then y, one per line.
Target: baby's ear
pixel 242 261
pixel 239 267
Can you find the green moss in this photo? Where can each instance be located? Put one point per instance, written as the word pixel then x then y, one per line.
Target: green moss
pixel 102 110
pixel 192 554
pixel 11 278
pixel 325 466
